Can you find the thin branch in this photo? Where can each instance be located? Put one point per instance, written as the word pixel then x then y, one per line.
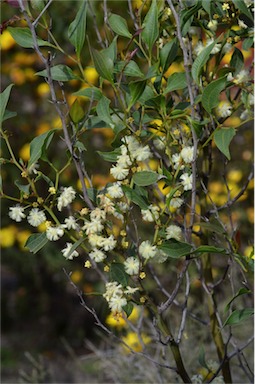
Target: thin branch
pixel 163 307
pixel 35 22
pixel 185 309
pixel 46 62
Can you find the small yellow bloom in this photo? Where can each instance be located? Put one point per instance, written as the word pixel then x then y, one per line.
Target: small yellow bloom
pixel 43 89
pixel 76 276
pixel 135 342
pixel 8 236
pixel 234 176
pixel 84 211
pixel 91 75
pixel 116 320
pixel 40 200
pixel 42 227
pixel 106 268
pixel 249 252
pixel 42 128
pixel 87 264
pixel 225 6
pixel 22 237
pixel 24 153
pixel 52 190
pixel 6 41
pixel 142 300
pixel 142 275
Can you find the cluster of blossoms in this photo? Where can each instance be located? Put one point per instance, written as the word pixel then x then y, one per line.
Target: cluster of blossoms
pixel 116 296
pixel 182 159
pixel 131 150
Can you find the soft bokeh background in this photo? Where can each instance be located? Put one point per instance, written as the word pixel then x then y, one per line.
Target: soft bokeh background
pixel 41 312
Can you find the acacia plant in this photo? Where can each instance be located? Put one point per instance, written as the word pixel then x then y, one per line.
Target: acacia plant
pixel 168 96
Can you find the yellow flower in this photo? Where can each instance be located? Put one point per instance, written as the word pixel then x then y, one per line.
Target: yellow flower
pixel 249 252
pixel 135 342
pixel 114 321
pixel 162 187
pixel 87 264
pixel 76 276
pixel 91 75
pixel 42 227
pixel 43 89
pixel 8 236
pixel 24 153
pixel 234 176
pixel 175 67
pixel 42 128
pixel 22 237
pixel 6 41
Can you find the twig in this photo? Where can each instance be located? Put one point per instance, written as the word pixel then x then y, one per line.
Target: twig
pixel 185 309
pixel 163 307
pixel 46 62
pixel 42 12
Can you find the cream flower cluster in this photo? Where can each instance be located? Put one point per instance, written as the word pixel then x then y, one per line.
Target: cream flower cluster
pixel 115 296
pixel 131 151
pixel 35 216
pixel 151 214
pixel 66 197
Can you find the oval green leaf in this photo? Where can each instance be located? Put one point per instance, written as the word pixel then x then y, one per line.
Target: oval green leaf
pixel 92 93
pixel 145 178
pixel 4 97
pixel 119 25
pixel 150 25
pixel 77 29
pixel 238 316
pixel 36 242
pixel 210 97
pixel 117 273
pixel 176 81
pixel 103 65
pixel 59 72
pixel 176 249
pixel 222 139
pixel 200 61
pixel 38 146
pixel 23 37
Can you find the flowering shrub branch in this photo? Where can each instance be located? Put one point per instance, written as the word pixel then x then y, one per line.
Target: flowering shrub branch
pixel 167 96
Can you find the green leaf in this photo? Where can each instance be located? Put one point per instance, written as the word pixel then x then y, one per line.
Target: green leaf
pixel 23 37
pixel 209 249
pixel 119 25
pixel 128 309
pixel 36 242
pixel 23 188
pixel 201 358
pixel 176 249
pixel 210 96
pixel 222 139
pixel 247 43
pixel 103 65
pixel 76 112
pixel 168 53
pixel 110 156
pixel 130 69
pixel 150 26
pixel 237 60
pixel 240 4
pixel 75 246
pixel 176 81
pixel 4 97
pixel 242 291
pixel 117 273
pixel 238 316
pixel 136 90
pixel 200 61
pixel 103 110
pixel 211 227
pixel 77 29
pixel 37 146
pixel 206 4
pixel 145 178
pixel 8 114
pixel 59 72
pixel 38 5
pixel 111 51
pixel 135 197
pixel 187 16
pixel 91 93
